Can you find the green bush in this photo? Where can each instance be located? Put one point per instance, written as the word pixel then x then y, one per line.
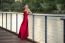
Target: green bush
pixel 36 6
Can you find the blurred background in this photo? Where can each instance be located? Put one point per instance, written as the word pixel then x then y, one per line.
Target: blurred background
pixel 36 6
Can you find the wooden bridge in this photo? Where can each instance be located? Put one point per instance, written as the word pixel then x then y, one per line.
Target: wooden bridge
pixel 10 37
pixel 43 28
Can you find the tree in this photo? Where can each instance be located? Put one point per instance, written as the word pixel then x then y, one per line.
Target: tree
pixel 6 4
pixel 41 5
pixel 16 7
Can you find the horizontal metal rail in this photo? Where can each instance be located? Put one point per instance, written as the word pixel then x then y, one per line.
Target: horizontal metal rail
pixel 34 14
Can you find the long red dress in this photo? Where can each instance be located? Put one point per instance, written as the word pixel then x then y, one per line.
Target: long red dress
pixel 23 33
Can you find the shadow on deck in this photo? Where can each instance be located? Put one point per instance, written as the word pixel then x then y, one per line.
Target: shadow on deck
pixel 9 37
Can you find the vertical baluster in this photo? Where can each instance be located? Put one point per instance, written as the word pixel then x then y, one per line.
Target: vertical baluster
pixel 33 29
pixel 11 21
pixel 16 22
pixel 45 29
pixel 2 19
pixel 63 18
pixel 64 30
pixel 6 20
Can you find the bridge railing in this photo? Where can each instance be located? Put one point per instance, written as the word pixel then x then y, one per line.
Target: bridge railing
pixel 43 28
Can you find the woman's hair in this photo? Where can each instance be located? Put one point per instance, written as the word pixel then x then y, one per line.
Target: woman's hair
pixel 25 6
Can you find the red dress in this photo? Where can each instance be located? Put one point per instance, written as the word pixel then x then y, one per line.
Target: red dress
pixel 23 33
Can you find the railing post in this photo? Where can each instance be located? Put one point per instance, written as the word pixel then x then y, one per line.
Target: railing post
pixel 33 29
pixel 64 30
pixel 6 20
pixel 45 29
pixel 63 18
pixel 16 22
pixel 11 22
pixel 2 19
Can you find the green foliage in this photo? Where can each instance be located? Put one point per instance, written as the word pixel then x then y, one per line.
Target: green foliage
pixel 15 6
pixel 5 5
pixel 18 7
pixel 11 5
pixel 60 1
pixel 37 6
pixel 46 6
pixel 41 6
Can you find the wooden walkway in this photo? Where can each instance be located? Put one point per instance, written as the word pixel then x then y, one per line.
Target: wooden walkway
pixel 8 37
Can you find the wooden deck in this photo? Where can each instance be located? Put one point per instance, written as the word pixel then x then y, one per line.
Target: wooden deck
pixel 8 37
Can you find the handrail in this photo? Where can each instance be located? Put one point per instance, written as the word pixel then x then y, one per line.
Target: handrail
pixel 6 15
pixel 33 16
pixel 11 12
pixel 37 14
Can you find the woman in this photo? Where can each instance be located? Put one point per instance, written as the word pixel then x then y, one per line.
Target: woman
pixel 23 33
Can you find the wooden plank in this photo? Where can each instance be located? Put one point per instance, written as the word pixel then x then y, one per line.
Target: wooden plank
pixel 9 37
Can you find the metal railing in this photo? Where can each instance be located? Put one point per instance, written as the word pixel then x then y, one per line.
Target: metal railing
pixel 11 14
pixel 33 28
pixel 46 26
